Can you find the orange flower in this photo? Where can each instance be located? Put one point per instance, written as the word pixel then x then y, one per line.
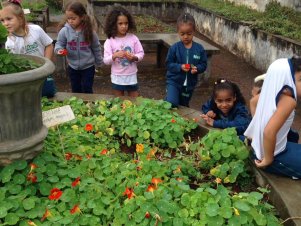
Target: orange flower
pixel 173 120
pixel 32 177
pixel 218 180
pixel 68 156
pixel 129 192
pixel 150 188
pixel 75 209
pixel 104 152
pixel 55 194
pixel 32 166
pixel 46 214
pixel 31 223
pixel 179 179
pixel 89 127
pixel 76 182
pixel 156 181
pixel 151 154
pixel 147 215
pixel 88 156
pixel 139 148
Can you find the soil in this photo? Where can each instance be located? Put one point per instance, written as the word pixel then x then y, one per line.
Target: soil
pixel 151 79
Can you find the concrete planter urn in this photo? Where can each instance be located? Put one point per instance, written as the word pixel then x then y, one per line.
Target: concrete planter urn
pixel 21 129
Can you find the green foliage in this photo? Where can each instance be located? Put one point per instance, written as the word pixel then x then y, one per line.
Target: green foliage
pixel 11 63
pixel 149 24
pixel 101 185
pixel 3 34
pixel 34 4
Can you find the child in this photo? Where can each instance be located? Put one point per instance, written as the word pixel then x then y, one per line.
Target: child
pixel 226 108
pixel 80 44
pixel 26 38
pixel 273 118
pixel 185 60
pixel 258 82
pixel 122 50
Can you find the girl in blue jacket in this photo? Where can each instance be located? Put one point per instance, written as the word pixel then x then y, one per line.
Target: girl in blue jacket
pixel 185 60
pixel 227 108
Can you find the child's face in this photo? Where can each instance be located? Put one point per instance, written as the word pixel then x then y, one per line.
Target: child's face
pixel 73 19
pixel 224 100
pixel 186 31
pixel 10 21
pixel 122 25
pixel 298 83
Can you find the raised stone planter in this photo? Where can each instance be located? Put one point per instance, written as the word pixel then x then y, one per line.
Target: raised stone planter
pixel 21 129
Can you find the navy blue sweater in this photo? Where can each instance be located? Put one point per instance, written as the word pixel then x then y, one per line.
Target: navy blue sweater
pixel 238 117
pixel 178 55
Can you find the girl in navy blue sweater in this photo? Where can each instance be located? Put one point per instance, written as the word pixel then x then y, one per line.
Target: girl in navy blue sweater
pixel 185 60
pixel 227 108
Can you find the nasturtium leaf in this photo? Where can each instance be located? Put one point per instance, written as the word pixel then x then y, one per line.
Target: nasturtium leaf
pixel 11 219
pixel 19 179
pixel 14 189
pixel 241 205
pixel 185 199
pixel 53 179
pixel 177 222
pixel 74 173
pixel 68 195
pixel 226 153
pixel 45 188
pixel 20 164
pixel 6 173
pixel 3 211
pixel 2 193
pixel 260 219
pixel 183 213
pixel 62 172
pixel 28 203
pixel 139 215
pixel 226 212
pixel 84 220
pixel 146 135
pixel 215 221
pixel 212 209
pixel 128 142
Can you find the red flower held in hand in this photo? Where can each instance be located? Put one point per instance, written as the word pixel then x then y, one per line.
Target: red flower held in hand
pixel 32 177
pixel 76 182
pixel 55 194
pixel 68 156
pixel 89 127
pixel 104 152
pixel 173 120
pixel 62 52
pixel 187 66
pixel 129 192
pixel 75 209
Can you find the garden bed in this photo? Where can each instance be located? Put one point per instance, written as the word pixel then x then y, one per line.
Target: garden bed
pixel 83 177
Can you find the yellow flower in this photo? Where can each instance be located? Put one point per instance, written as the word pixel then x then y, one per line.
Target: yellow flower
pixel 236 212
pixel 139 148
pixel 74 127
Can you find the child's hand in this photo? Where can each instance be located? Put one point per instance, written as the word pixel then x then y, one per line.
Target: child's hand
pixel 194 69
pixel 130 56
pixel 207 119
pixel 211 114
pixel 185 67
pixel 62 52
pixel 118 54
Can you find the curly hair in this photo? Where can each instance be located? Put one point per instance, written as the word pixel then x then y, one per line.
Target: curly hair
pixel 110 28
pixel 223 84
pixel 79 9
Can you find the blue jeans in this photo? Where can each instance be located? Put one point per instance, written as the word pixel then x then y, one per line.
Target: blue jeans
pixel 178 96
pixel 288 162
pixel 49 88
pixel 82 80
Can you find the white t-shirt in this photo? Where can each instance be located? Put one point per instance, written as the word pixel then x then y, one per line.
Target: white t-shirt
pixel 33 43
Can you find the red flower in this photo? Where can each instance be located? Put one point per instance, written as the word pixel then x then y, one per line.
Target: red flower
pixel 150 188
pixel 173 120
pixel 62 52
pixel 187 66
pixel 46 214
pixel 147 215
pixel 68 156
pixel 156 181
pixel 55 194
pixel 104 152
pixel 75 209
pixel 32 177
pixel 32 166
pixel 89 127
pixel 129 192
pixel 76 182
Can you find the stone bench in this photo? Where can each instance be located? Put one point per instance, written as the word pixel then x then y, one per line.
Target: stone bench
pixel 163 42
pixel 285 193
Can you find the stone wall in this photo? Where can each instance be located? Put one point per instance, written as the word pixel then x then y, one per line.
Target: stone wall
pixel 260 4
pixel 257 47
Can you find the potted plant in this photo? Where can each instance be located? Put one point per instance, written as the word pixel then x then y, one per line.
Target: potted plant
pixel 21 129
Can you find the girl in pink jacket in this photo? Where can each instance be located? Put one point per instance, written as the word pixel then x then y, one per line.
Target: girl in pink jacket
pixel 122 50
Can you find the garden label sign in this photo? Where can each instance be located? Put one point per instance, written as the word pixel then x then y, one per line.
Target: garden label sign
pixel 57 116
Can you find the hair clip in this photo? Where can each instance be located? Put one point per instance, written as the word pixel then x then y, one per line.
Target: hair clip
pixel 18 2
pixel 223 80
